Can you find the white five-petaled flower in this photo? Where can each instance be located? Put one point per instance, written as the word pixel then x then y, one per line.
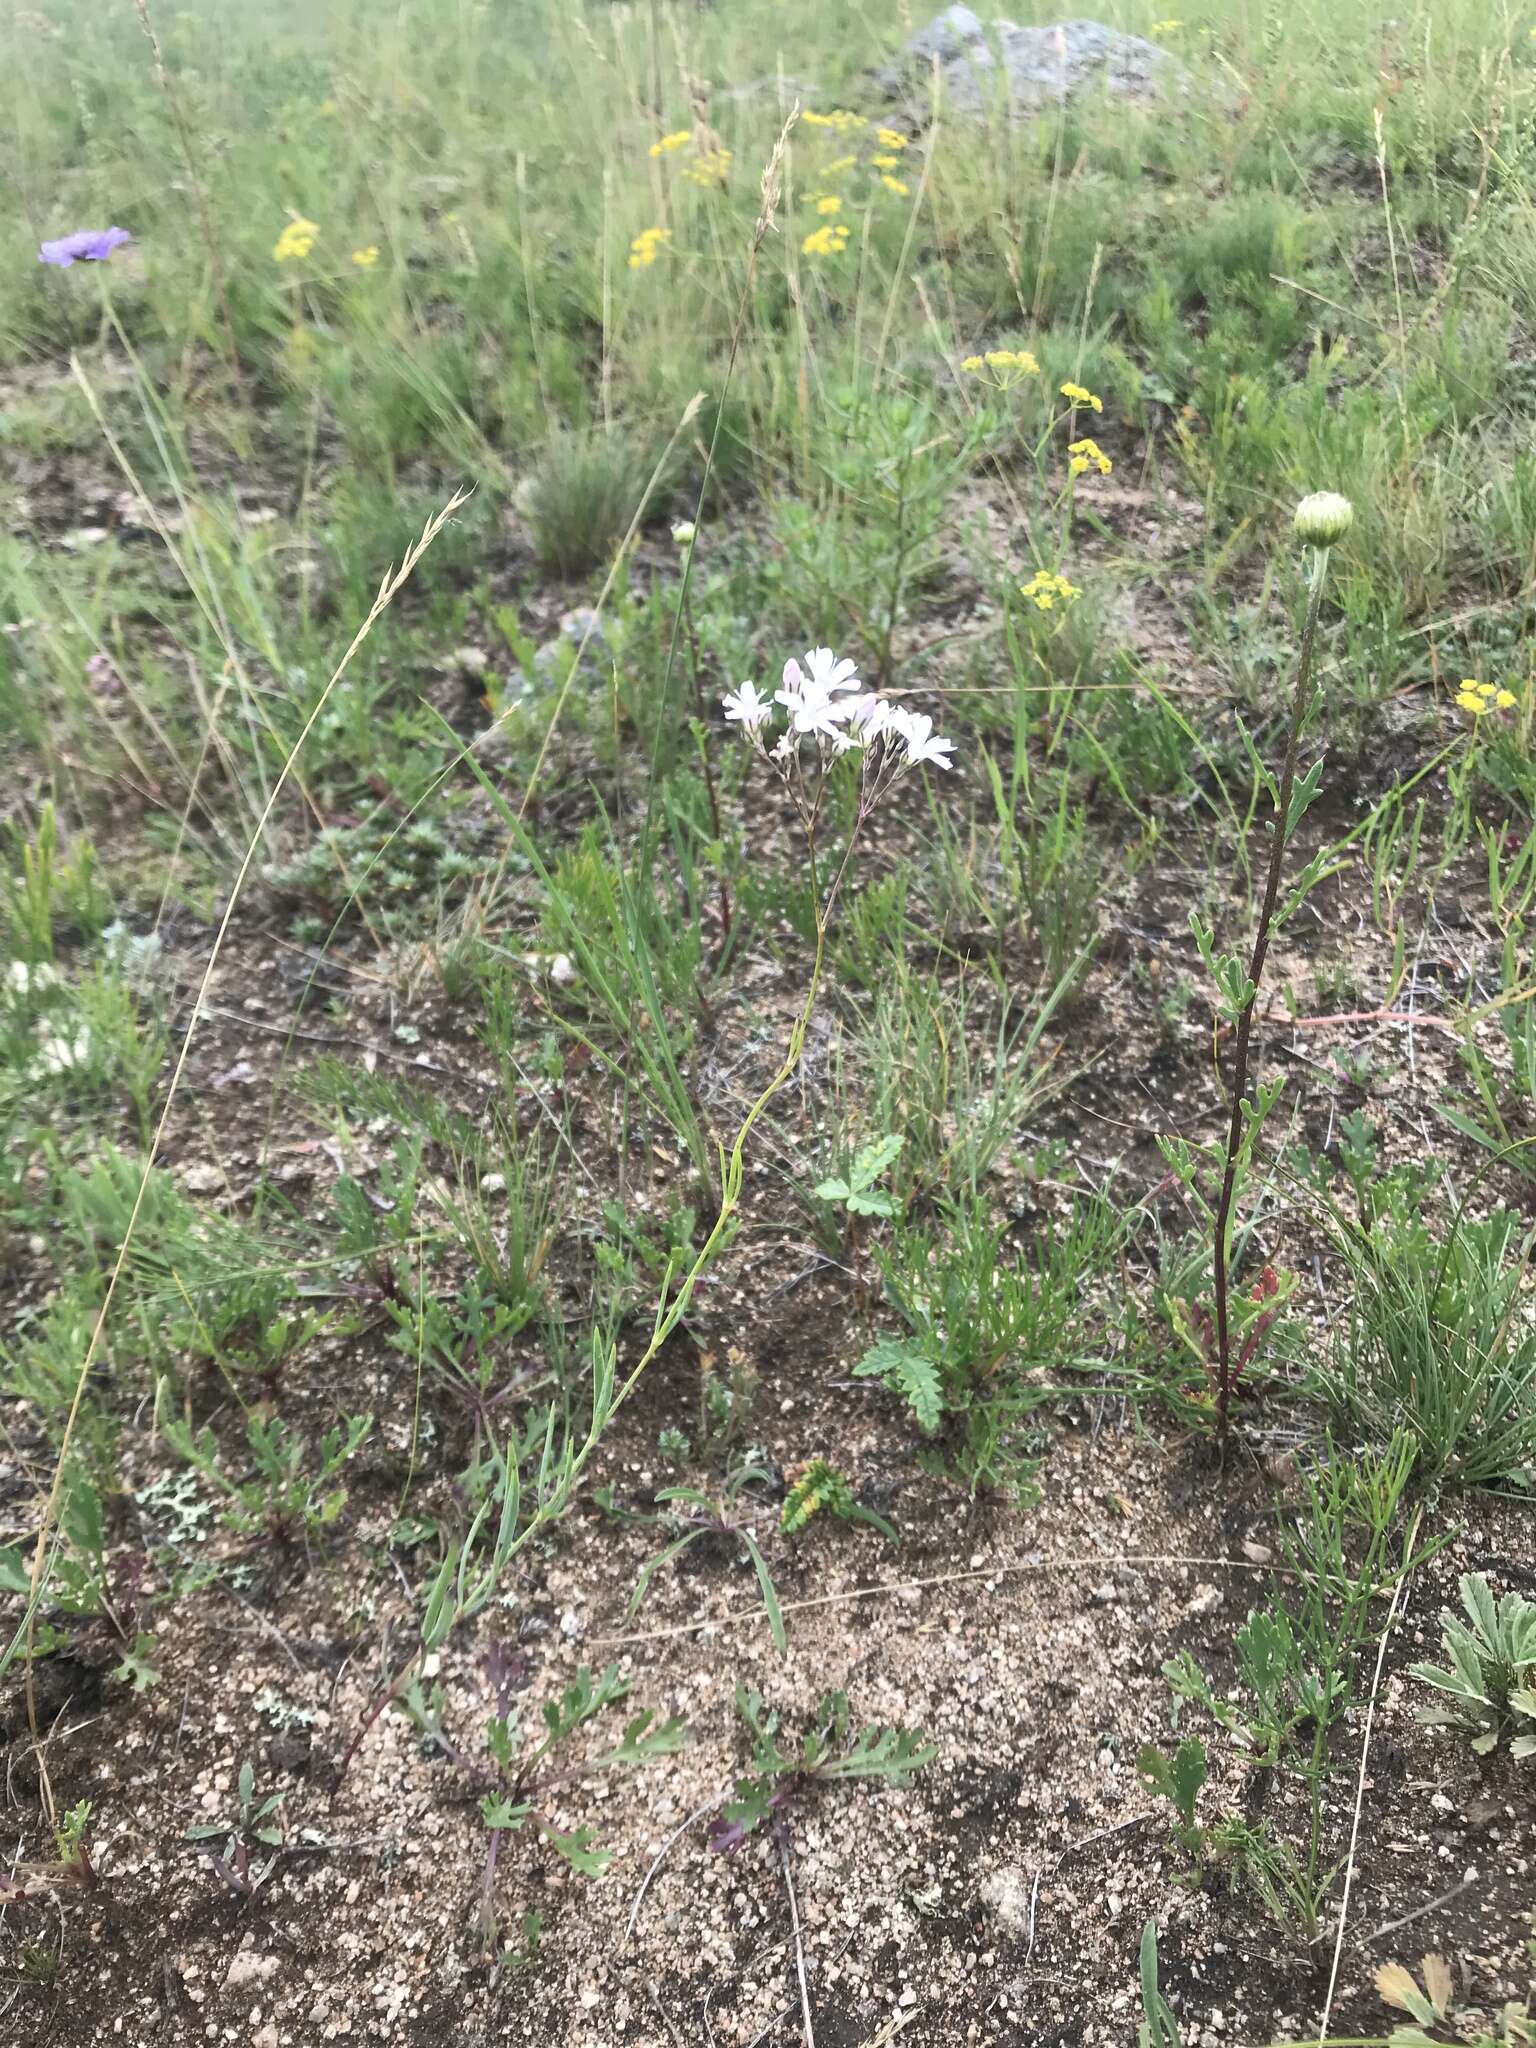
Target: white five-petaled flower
pixel 748 706
pixel 869 716
pixel 923 744
pixel 825 672
pixel 810 694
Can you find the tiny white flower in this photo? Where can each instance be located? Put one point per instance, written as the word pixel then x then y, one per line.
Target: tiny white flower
pixel 24 980
pixel 747 707
pixel 820 716
pixel 786 748
pixel 869 715
pixel 827 673
pixel 916 728
pixel 809 693
pixel 59 1055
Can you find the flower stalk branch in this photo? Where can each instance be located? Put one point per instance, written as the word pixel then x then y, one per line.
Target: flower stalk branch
pixel 1320 521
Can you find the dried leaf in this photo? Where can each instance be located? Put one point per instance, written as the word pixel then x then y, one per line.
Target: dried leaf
pixel 1437 1982
pixel 1397 1987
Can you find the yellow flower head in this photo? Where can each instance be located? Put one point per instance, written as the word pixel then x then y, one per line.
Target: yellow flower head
pixel 1079 396
pixel 1044 588
pixel 1086 455
pixel 890 138
pixel 1007 366
pixel 709 168
pixel 839 165
pixel 897 185
pixel 365 259
pixel 839 118
pixel 647 246
pixel 678 139
pixel 830 240
pixel 829 203
pixel 1477 698
pixel 1164 28
pixel 295 242
pixel 885 163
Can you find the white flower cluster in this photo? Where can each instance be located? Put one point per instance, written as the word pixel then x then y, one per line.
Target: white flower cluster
pixel 21 980
pixel 57 1052
pixel 824 701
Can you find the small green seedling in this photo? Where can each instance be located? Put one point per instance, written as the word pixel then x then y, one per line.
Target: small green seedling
pixel 857 1191
pixel 252 1829
pixel 1179 1779
pixel 1490 1682
pixel 780 1770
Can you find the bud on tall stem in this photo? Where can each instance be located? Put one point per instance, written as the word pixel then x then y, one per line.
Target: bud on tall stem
pixel 1320 520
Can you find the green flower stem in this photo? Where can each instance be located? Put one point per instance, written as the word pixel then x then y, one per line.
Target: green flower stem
pixel 669 1313
pixel 1225 1377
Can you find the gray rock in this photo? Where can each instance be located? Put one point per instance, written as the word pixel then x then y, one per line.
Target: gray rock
pixel 1005 1896
pixel 552 660
pixel 985 68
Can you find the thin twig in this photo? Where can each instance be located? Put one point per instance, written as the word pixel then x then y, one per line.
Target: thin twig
pixel 1430 1905
pixel 662 2014
pixel 1120 1827
pixel 1408 1017
pixel 794 1921
pixel 661 1856
pixel 1365 1751
pixel 1099 1560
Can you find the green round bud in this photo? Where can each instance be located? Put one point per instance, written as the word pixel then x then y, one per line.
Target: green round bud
pixel 1324 518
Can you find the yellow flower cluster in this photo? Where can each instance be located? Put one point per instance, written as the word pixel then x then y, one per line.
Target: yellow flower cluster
pixel 839 165
pixel 709 168
pixel 295 242
pixel 1007 366
pixel 839 118
pixel 1164 28
pixel 365 259
pixel 1480 697
pixel 678 139
pixel 897 185
pixel 647 246
pixel 1088 455
pixel 830 240
pixel 890 138
pixel 1080 396
pixel 1043 589
pixel 829 203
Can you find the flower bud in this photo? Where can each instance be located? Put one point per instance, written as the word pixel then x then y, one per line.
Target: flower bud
pixel 1324 518
pixel 683 533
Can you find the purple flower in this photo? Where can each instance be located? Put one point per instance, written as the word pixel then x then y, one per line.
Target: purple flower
pixel 90 245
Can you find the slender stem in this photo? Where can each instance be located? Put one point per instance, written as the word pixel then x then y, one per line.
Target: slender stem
pixel 1225 1377
pixel 551 1508
pixel 782 1839
pixel 709 772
